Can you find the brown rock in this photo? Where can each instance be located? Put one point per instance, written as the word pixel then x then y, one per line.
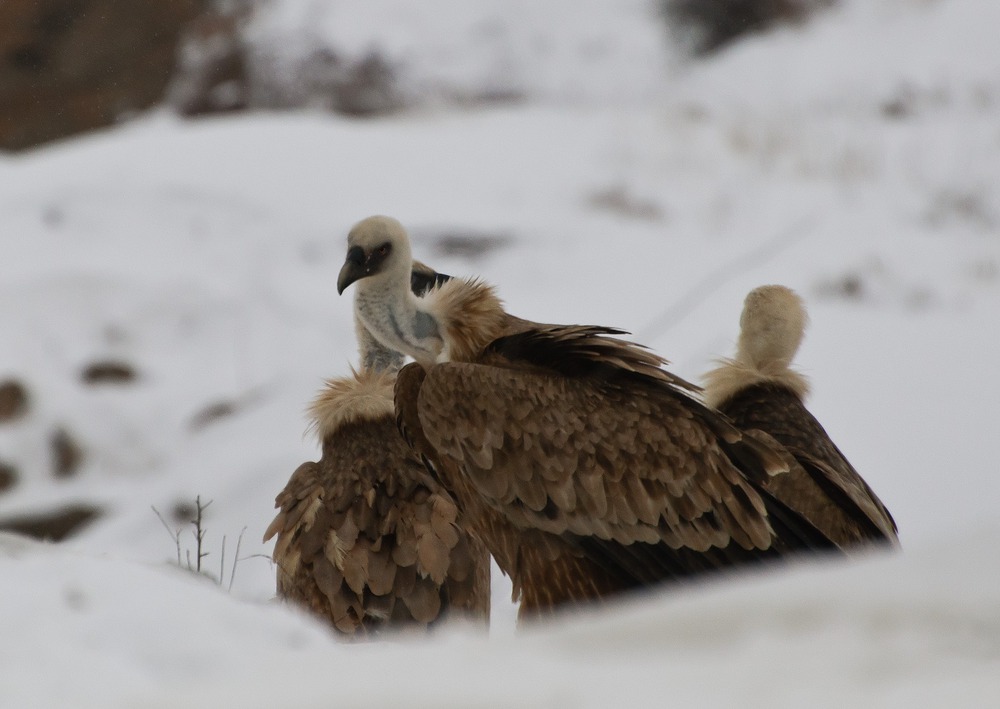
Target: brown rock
pixel 66 454
pixel 108 371
pixel 708 25
pixel 13 400
pixel 8 476
pixel 53 525
pixel 72 65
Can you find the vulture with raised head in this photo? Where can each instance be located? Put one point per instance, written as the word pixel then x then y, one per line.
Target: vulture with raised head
pixel 585 467
pixel 759 390
pixel 366 538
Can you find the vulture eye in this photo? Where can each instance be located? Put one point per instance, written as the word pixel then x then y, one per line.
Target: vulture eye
pixel 383 250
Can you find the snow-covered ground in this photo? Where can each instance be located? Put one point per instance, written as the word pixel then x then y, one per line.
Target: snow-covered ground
pixel 856 159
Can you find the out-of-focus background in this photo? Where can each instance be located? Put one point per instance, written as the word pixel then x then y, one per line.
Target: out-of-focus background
pixel 177 178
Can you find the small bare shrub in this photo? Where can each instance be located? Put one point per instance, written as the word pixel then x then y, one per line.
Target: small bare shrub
pixel 191 559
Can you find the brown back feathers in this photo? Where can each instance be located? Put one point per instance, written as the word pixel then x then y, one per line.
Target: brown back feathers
pixel 365 538
pixel 763 395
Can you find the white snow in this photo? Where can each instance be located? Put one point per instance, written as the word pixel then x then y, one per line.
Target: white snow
pixel 861 150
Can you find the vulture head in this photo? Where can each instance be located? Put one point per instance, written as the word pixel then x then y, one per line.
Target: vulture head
pixel 380 264
pixel 379 251
pixel 771 328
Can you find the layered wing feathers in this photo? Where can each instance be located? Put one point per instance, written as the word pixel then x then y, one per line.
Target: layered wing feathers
pixel 579 434
pixel 566 456
pixel 365 538
pixel 825 487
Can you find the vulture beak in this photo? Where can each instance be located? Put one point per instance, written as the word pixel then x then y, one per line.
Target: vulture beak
pixel 355 268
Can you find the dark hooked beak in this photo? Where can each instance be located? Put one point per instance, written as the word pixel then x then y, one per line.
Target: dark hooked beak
pixel 354 269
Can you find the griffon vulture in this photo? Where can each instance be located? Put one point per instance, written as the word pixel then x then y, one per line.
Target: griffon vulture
pixel 366 538
pixel 584 466
pixel 759 389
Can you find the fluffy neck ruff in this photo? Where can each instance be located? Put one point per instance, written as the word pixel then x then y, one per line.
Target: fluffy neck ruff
pixel 733 376
pixel 470 316
pixel 364 396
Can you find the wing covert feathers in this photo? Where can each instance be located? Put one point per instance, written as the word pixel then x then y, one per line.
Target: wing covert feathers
pixel 564 457
pixel 588 469
pixel 823 486
pixel 367 540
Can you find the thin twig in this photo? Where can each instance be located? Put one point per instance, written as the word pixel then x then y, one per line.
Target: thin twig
pixel 222 560
pixel 236 559
pixel 199 532
pixel 175 534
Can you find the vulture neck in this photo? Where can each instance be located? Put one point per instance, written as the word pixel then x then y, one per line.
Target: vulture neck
pixel 453 322
pixel 398 320
pixel 375 357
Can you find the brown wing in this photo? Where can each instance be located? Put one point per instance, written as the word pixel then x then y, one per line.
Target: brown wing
pixel 612 459
pixel 567 456
pixel 546 570
pixel 366 539
pixel 825 488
